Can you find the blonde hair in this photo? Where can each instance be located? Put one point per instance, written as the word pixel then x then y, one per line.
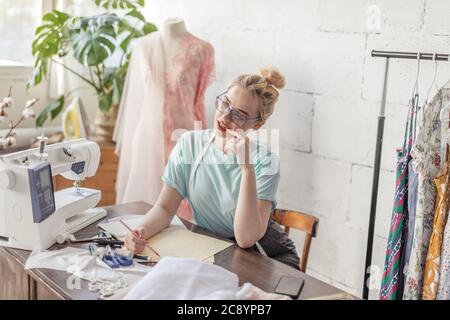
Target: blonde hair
pixel 263 86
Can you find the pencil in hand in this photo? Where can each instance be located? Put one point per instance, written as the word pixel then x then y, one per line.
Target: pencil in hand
pixel 131 230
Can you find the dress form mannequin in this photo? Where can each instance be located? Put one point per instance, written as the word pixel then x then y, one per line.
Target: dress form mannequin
pixel 163 96
pixel 173 30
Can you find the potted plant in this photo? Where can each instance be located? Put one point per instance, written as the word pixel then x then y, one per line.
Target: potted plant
pixel 91 41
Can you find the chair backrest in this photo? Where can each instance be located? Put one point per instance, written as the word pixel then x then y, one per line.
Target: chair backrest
pixel 301 221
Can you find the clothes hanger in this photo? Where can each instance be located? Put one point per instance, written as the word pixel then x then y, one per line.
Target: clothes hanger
pixel 415 98
pixel 416 83
pixel 425 104
pixel 434 79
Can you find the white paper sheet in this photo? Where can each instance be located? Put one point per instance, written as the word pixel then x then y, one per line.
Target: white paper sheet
pixel 114 226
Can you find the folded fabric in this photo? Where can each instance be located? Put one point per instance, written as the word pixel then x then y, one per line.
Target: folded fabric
pixel 183 278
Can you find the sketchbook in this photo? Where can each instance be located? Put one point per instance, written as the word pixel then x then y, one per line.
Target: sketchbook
pixel 174 241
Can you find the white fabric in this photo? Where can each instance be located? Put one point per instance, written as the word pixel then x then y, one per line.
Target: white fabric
pixel 171 278
pixel 117 229
pixel 81 264
pixel 140 123
pixel 181 278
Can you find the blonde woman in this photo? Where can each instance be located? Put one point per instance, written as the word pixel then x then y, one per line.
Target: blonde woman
pixel 229 181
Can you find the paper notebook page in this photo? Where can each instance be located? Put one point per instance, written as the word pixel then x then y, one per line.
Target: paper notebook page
pixel 117 229
pixel 114 226
pixel 210 260
pixel 176 241
pixel 133 221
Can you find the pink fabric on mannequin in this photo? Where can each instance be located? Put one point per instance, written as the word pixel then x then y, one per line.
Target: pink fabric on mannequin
pixel 187 78
pixel 161 100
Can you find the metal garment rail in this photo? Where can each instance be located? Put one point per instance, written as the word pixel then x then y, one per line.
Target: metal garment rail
pixel 380 131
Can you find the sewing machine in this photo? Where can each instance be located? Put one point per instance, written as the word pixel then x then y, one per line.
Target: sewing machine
pixel 32 215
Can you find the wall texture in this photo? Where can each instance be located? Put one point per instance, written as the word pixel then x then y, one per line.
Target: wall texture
pixel 328 112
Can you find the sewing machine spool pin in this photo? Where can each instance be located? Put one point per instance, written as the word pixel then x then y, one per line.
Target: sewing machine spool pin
pixel 41 149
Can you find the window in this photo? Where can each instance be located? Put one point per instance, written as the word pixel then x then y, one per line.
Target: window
pixel 18 19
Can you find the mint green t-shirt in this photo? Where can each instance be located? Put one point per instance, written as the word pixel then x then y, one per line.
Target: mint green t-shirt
pixel 214 191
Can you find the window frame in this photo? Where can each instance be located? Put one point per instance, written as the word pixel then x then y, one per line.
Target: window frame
pixel 23 71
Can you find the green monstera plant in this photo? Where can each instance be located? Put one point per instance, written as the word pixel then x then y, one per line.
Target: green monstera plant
pixel 91 41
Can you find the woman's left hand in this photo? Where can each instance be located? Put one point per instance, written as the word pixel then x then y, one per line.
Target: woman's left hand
pixel 239 145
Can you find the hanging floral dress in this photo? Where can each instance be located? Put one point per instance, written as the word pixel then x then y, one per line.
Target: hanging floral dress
pixel 433 261
pixel 426 162
pixel 444 268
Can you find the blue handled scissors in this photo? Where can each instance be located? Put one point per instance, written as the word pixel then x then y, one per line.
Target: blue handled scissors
pixel 115 261
pixel 111 261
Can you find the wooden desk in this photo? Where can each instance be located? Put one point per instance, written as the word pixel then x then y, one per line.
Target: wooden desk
pixel 250 266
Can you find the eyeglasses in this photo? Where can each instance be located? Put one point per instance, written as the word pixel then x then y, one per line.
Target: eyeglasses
pixel 237 117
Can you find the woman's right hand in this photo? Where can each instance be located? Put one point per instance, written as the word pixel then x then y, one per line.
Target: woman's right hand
pixel 135 241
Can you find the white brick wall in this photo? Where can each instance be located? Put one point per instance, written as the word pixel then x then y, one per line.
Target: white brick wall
pixel 327 114
pixel 295 117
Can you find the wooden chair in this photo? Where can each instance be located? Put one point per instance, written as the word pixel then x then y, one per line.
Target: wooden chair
pixel 307 223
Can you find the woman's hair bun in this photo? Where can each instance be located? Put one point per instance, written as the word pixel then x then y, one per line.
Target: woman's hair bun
pixel 273 76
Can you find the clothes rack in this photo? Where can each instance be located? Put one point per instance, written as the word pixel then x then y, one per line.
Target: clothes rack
pixel 379 141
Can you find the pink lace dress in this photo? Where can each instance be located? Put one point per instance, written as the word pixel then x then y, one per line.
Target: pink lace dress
pixel 161 100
